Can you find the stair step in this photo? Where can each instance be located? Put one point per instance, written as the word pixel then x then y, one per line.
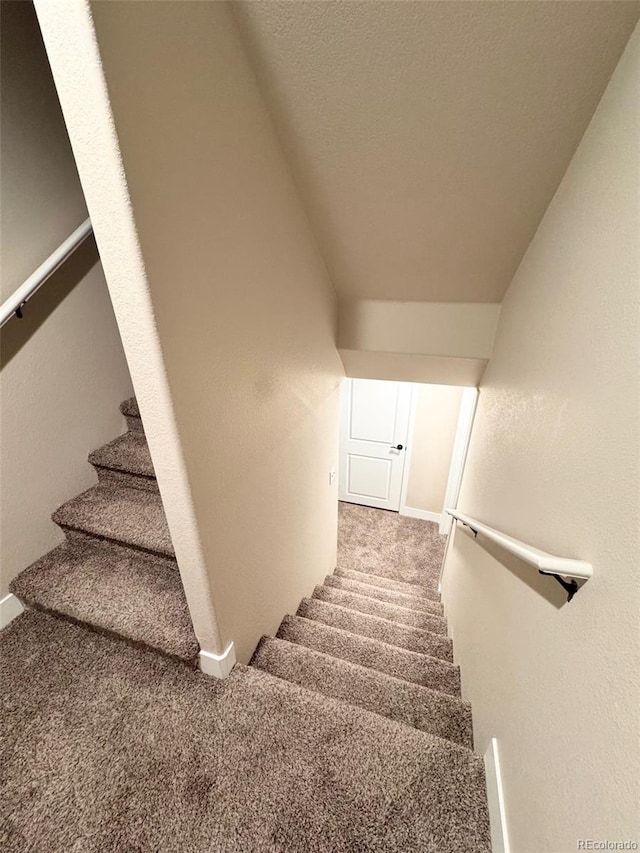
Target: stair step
pixel 130 517
pixel 125 461
pixel 132 414
pixel 424 621
pixel 393 633
pixel 433 795
pixel 427 671
pixel 306 771
pixel 391 596
pixel 411 704
pixel 387 583
pixel 131 596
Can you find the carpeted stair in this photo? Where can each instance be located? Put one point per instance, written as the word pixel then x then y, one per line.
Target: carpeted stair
pixel 433 672
pixel 347 731
pixel 126 461
pixel 377 628
pixel 381 649
pixel 390 596
pixel 379 582
pixel 116 572
pixel 428 710
pixel 379 645
pixel 111 748
pixel 383 609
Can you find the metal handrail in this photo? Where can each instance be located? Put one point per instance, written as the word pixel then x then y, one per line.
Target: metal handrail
pixel 18 299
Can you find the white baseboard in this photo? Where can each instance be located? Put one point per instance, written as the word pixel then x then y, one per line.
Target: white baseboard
pixel 495 799
pixel 424 514
pixel 218 666
pixel 10 607
pixel 445 524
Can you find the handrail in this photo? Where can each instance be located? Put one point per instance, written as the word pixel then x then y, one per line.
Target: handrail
pixel 546 564
pixel 13 305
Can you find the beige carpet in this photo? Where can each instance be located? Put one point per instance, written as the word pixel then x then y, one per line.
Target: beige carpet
pixel 116 572
pixel 390 545
pixel 106 748
pixel 347 733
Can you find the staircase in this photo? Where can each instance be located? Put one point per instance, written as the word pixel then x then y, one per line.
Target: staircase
pixel 378 644
pixel 366 660
pixel 116 572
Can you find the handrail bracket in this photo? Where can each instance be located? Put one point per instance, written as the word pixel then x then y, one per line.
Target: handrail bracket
pixel 570 587
pixel 472 529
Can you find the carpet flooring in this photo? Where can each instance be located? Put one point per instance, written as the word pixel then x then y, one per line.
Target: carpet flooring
pixel 346 732
pixel 393 546
pixel 107 748
pixel 116 572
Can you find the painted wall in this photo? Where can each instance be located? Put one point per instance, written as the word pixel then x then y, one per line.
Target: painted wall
pixel 63 372
pixel 554 461
pixel 433 342
pixel 458 330
pixel 244 311
pixel 434 429
pixel 409 367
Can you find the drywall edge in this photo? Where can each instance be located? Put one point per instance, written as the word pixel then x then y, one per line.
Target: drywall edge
pixel 439 329
pixel 407 367
pixel 70 42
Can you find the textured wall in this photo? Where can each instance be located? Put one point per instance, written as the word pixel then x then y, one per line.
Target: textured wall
pixel 63 369
pixel 434 342
pixel 452 329
pixel 243 310
pixel 554 461
pixel 428 138
pixel 434 431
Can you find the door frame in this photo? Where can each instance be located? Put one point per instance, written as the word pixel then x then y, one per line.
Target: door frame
pixel 459 456
pixel 411 511
pixel 456 469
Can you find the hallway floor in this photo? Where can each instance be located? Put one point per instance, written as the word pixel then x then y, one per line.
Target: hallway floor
pixel 388 544
pixel 108 747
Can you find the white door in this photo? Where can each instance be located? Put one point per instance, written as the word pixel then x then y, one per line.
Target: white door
pixel 374 423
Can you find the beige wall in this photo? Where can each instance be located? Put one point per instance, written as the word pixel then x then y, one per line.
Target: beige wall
pixel 63 370
pixel 554 461
pixel 434 429
pixel 404 367
pixel 434 342
pixel 244 310
pixel 457 330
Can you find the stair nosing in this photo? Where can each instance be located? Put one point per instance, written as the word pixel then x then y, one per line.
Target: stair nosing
pixel 124 405
pixel 65 525
pixel 373 639
pixel 94 459
pixel 47 561
pixel 327 583
pixel 419 631
pixel 126 471
pixel 268 638
pixel 107 632
pixel 393 621
pixel 429 659
pixel 462 705
pixel 120 542
pixel 419 590
pixel 463 752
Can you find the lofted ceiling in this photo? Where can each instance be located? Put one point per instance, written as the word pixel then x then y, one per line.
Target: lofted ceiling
pixel 427 138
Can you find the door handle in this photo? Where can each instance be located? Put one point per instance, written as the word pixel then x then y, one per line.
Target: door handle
pixel 397 447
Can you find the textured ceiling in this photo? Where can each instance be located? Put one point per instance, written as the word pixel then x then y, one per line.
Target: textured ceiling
pixel 428 138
